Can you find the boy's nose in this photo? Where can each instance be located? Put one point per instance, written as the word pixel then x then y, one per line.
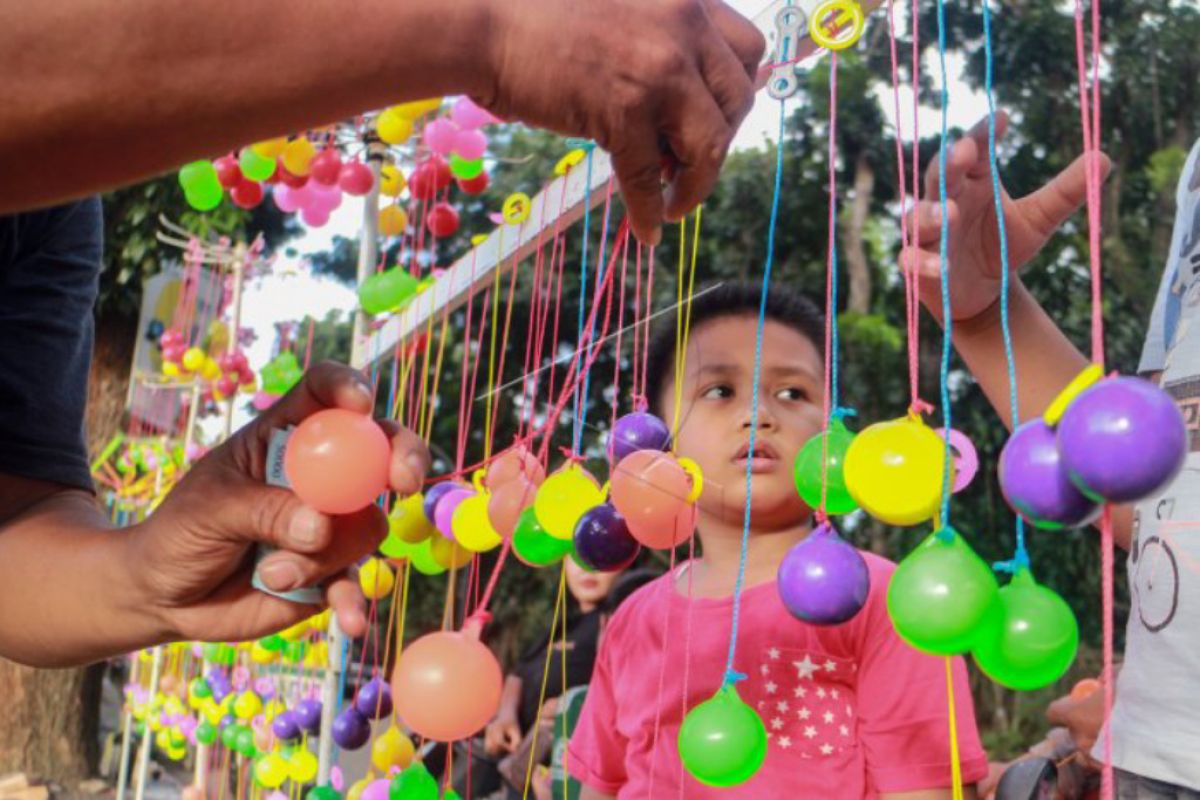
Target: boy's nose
pixel 765 419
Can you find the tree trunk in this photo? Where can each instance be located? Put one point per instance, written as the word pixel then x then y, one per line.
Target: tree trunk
pixel 49 719
pixel 859 299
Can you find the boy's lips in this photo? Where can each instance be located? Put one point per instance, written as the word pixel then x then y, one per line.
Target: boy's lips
pixel 764 458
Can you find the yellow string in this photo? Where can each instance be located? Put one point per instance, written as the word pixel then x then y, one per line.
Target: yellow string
pixel 955 766
pixel 559 602
pixel 424 374
pixel 683 318
pixel 561 712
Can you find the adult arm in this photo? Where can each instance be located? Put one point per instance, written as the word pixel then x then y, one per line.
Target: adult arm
pixel 87 591
pixel 99 94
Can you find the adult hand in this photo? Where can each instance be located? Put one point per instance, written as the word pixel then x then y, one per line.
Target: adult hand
pixel 195 554
pixel 974 235
pixel 648 80
pixel 1083 717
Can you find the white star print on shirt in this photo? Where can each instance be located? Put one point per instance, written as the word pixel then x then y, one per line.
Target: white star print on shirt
pixel 771 687
pixel 804 713
pixel 828 717
pixel 826 749
pixel 785 742
pixel 782 705
pixel 810 731
pixel 773 653
pixel 776 724
pixel 806 668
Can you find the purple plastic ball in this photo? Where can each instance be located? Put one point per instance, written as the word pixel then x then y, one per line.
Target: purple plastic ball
pixel 435 493
pixel 308 714
pixel 374 699
pixel 351 730
pixel 603 541
pixel 443 515
pixel 823 580
pixel 638 431
pixel 1035 483
pixel 1122 440
pixel 286 727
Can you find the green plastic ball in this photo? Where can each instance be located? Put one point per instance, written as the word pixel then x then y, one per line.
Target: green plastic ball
pixel 942 595
pixel 323 793
pixel 533 545
pixel 200 185
pixel 245 741
pixel 723 741
pixel 423 561
pixel 1033 639
pixel 386 291
pixel 466 169
pixel 820 461
pixel 206 732
pixel 199 688
pixel 255 167
pixel 229 736
pixel 273 643
pixel 413 783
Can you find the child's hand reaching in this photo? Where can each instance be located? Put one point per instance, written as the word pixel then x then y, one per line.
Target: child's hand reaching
pixel 973 238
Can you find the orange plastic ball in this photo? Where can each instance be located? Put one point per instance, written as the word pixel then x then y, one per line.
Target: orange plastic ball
pixel 446 686
pixel 507 502
pixel 337 461
pixel 516 463
pixel 651 490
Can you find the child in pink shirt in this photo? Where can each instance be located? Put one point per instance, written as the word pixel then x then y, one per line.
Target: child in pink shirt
pixel 851 711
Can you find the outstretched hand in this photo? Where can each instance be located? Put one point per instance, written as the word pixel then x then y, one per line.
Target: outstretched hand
pixel 195 554
pixel 975 265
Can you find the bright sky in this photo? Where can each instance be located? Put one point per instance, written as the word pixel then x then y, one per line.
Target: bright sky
pixel 296 295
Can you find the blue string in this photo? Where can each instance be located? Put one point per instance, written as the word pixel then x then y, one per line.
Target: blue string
pixel 944 268
pixel 1020 555
pixel 587 226
pixel 731 676
pixel 601 265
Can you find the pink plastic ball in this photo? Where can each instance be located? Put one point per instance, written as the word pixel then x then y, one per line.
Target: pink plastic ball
pixel 470 144
pixel 441 136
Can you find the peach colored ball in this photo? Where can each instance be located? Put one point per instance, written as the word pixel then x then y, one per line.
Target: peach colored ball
pixel 446 686
pixel 337 461
pixel 651 490
pixel 507 502
pixel 516 463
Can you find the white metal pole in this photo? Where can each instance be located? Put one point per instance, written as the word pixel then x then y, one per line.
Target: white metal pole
pixel 139 791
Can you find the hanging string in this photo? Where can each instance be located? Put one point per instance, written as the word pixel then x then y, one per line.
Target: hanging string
pixel 731 677
pixel 1020 557
pixel 831 292
pixel 582 405
pixel 683 319
pixel 559 604
pixel 944 272
pixel 583 264
pixel 1091 145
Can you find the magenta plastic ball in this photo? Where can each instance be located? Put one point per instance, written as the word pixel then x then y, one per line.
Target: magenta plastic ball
pixel 351 730
pixel 440 136
pixel 286 727
pixel 1035 483
pixel 435 493
pixel 377 790
pixel 1122 440
pixel 285 198
pixel 374 699
pixel 308 714
pixel 638 431
pixel 444 513
pixel 824 580
pixel 603 541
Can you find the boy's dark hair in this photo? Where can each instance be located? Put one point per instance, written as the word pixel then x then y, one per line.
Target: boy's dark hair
pixel 728 299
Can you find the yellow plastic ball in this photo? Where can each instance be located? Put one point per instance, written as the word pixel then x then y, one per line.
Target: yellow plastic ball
pixel 417 108
pixel 302 766
pixel 563 498
pixel 472 528
pixel 193 359
pixel 247 705
pixel 177 753
pixel 296 632
pixel 317 655
pixel 273 709
pixel 392 749
pixel 408 522
pixel 261 655
pixel 210 369
pixel 270 148
pixel 212 711
pixel 896 471
pixel 270 771
pixel 447 554
pixel 393 128
pixel 170 369
pixel 358 787
pixel 391 181
pixel 162 739
pixel 376 579
pixel 298 156
pixel 392 221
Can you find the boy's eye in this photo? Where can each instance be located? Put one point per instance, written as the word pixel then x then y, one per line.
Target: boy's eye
pixel 792 393
pixel 719 391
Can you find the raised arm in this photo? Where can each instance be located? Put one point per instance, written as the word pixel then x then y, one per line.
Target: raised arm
pixel 98 94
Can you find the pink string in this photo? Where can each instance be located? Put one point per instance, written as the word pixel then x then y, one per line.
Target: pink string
pixel 1091 145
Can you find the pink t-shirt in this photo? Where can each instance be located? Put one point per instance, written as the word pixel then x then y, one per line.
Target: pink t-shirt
pixel 851 711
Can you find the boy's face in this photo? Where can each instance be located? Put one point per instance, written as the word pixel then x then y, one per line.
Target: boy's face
pixel 715 407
